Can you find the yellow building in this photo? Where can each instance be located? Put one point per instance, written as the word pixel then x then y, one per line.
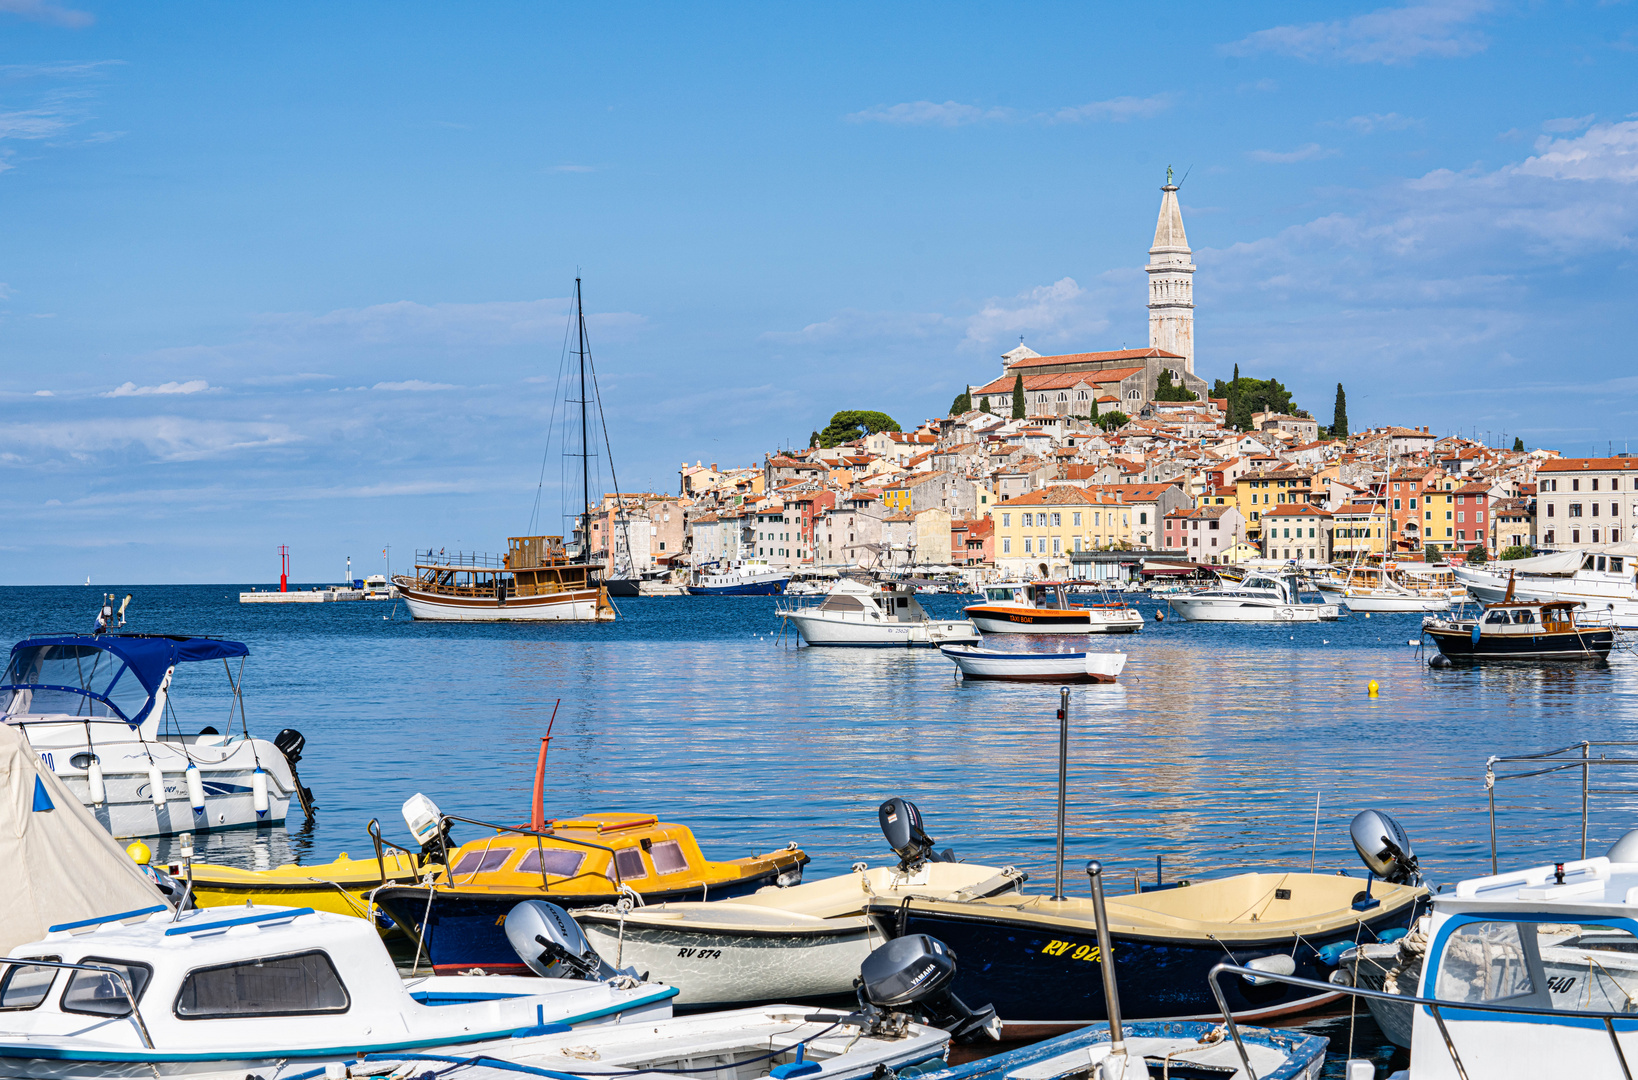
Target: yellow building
pixel 1045 526
pixel 1262 490
pixel 1439 515
pixel 1357 530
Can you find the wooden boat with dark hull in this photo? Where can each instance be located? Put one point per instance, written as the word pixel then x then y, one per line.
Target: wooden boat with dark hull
pixel 1522 630
pixel 535 581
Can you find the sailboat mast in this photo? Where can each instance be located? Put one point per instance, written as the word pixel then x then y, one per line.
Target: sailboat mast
pixel 585 446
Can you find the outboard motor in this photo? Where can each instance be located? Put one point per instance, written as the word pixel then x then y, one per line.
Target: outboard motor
pixel 1384 848
pixel 552 945
pixel 901 824
pixel 916 972
pixel 290 743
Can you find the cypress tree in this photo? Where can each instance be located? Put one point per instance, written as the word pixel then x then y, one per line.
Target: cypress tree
pixel 962 404
pixel 1518 444
pixel 1018 411
pixel 1339 419
pixel 1094 415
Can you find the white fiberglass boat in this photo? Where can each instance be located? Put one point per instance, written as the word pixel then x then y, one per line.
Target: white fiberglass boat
pixel 1262 598
pixel 1606 582
pixel 791 943
pixel 1044 607
pixel 859 613
pixel 91 704
pixel 978 663
pixel 226 991
pixel 753 577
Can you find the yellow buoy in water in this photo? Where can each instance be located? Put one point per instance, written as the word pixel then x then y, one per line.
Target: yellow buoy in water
pixel 139 853
pixel 1371 688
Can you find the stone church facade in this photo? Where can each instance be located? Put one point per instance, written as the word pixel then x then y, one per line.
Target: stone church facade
pixel 1124 379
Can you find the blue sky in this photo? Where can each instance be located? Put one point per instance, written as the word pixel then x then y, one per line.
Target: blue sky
pixel 297 274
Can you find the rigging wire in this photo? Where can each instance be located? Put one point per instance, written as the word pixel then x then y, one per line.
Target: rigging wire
pixel 551 423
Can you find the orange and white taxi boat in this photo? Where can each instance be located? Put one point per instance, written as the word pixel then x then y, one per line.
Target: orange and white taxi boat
pixel 1044 607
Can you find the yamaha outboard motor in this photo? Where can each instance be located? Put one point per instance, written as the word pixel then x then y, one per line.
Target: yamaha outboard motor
pixel 901 824
pixel 291 743
pixel 916 972
pixel 1385 848
pixel 552 945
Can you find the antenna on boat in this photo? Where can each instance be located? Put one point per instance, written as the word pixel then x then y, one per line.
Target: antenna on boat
pixel 1063 784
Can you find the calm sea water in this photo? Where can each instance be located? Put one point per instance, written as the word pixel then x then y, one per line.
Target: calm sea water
pixel 1209 753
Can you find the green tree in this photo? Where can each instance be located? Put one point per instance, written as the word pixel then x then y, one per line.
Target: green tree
pixel 1018 411
pixel 1339 418
pixel 1109 421
pixel 1515 551
pixel 1476 555
pixel 813 440
pixel 1430 552
pixel 962 404
pixel 1094 415
pixel 1518 445
pixel 1165 391
pixel 1246 396
pixel 855 424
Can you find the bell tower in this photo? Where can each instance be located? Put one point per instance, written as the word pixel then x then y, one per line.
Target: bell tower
pixel 1171 281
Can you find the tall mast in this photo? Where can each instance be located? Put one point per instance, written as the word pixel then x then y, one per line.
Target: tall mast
pixel 585 446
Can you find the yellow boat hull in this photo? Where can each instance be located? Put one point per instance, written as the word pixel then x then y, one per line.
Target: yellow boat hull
pixel 342 887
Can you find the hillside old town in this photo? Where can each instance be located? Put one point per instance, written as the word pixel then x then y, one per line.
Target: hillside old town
pixel 1092 465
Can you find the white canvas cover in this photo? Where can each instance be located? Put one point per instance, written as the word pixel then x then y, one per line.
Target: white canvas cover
pixel 61 865
pixel 1564 562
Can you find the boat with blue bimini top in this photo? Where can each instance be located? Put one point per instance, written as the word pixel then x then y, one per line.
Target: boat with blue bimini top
pixel 233 991
pixel 752 577
pixel 92 705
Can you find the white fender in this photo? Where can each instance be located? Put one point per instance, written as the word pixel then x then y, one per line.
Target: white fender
pixel 93 778
pixel 258 791
pixel 196 787
pixel 156 784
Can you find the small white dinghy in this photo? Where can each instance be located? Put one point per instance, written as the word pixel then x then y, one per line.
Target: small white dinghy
pixel 229 991
pixel 788 943
pixel 976 663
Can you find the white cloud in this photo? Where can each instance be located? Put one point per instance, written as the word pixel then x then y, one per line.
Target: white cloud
pixel 47 12
pixel 1566 124
pixel 1374 122
pixel 131 389
pixel 413 385
pixel 1606 152
pixel 1392 35
pixel 158 438
pixel 44 393
pixel 1062 311
pixel 946 114
pixel 1115 109
pixel 1286 157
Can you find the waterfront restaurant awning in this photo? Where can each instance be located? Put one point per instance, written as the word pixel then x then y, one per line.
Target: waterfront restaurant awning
pixel 1170 568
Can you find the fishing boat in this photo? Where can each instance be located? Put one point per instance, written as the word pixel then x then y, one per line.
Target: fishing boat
pixel 1524 630
pixel 787 943
pixel 234 991
pixel 580 862
pixel 752 577
pixel 535 581
pixel 91 706
pixel 1262 598
pixel 861 613
pixel 976 663
pixel 1604 581
pixel 1045 607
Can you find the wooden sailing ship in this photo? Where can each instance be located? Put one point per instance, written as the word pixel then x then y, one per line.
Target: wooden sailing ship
pixel 535 581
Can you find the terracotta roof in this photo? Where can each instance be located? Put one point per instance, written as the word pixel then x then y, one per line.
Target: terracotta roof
pixel 1061 381
pixel 1061 495
pixel 1604 464
pixel 1090 358
pixel 1295 510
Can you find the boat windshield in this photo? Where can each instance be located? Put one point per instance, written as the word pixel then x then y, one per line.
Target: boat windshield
pixel 79 680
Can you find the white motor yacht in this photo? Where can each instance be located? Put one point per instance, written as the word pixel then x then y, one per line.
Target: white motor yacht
pixel 1262 598
pixel 91 706
pixel 861 613
pixel 1603 582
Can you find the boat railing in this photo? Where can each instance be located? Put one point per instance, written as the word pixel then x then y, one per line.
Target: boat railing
pixel 477 559
pixel 1435 1006
pixel 1556 763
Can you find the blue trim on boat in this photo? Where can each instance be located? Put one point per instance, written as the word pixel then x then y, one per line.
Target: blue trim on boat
pixel 25 1051
pixel 1300 1049
pixel 244 920
pixel 99 920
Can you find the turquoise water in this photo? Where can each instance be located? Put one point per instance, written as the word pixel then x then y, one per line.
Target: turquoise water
pixel 1208 753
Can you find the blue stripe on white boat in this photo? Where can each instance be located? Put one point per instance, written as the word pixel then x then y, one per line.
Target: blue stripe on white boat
pixel 99 920
pixel 244 920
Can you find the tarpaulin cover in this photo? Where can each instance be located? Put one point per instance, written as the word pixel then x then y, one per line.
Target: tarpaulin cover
pixel 145 657
pixel 61 864
pixel 1565 562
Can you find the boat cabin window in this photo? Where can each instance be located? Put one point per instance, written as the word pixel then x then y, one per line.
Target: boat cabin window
pixel 1484 961
pixel 63 679
pixel 559 862
pixel 99 994
pixel 668 857
pixel 903 601
pixel 298 985
pixel 1615 564
pixel 1524 615
pixel 24 986
pixel 1000 596
pixel 629 863
pixel 482 862
pixel 841 602
pixel 1496 617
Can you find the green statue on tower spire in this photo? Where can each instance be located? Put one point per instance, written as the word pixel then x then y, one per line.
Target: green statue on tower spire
pixel 1168 176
